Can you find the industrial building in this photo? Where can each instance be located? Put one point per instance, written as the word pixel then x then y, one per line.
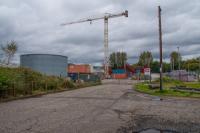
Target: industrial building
pixel 84 72
pixel 48 64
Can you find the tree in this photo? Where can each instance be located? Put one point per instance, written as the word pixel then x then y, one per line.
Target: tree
pixel 1 55
pixel 118 59
pixel 191 64
pixel 155 67
pixel 166 67
pixel 9 49
pixel 145 59
pixel 113 62
pixel 175 57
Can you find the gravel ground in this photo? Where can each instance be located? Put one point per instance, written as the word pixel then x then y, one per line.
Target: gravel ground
pixel 109 108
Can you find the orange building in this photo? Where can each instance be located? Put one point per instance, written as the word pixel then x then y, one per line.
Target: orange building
pixel 119 76
pixel 82 68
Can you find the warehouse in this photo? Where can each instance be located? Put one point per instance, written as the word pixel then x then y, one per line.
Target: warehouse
pixel 48 64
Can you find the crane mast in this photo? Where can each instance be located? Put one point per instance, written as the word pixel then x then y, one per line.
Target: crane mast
pixel 106 50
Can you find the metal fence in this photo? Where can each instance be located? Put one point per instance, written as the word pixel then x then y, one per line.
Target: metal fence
pixel 183 75
pixel 20 89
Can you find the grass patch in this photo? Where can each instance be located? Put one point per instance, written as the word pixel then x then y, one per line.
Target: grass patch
pixel 193 84
pixel 167 83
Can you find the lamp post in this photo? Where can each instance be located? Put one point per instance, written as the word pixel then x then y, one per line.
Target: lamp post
pixel 179 65
pixel 188 72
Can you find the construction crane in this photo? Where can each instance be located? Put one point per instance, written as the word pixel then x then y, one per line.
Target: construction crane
pixel 105 17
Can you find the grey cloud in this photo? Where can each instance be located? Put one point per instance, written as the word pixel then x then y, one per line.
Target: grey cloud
pixel 35 25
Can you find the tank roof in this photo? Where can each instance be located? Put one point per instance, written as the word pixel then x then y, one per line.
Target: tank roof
pixel 44 54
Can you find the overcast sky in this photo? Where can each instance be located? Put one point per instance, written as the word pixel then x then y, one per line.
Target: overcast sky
pixel 35 25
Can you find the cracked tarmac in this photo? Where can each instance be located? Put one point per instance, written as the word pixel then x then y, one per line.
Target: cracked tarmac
pixel 108 108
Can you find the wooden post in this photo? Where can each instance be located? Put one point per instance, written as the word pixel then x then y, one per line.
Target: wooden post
pixel 46 86
pixel 56 86
pixel 160 40
pixel 14 89
pixel 199 70
pixel 32 85
pixel 150 77
pixel 24 88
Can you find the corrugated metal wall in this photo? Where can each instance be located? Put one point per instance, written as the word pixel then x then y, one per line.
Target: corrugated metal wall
pixel 46 63
pixel 84 68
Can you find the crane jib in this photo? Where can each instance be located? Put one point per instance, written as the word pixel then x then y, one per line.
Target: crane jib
pixel 106 51
pixel 97 18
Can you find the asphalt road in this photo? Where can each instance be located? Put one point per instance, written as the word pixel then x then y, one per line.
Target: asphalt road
pixel 109 108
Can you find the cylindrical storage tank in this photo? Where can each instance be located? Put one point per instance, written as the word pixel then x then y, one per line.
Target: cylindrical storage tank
pixel 48 64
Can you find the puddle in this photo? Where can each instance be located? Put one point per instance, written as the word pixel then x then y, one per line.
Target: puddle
pixel 156 131
pixel 157 99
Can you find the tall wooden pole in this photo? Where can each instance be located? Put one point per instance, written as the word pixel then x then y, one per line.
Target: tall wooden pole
pixel 160 40
pixel 179 59
pixel 199 70
pixel 106 52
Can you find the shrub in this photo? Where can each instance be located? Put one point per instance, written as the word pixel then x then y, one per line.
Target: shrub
pixel 69 84
pixel 25 80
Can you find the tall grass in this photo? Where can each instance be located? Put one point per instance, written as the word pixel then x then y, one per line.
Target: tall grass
pixel 23 81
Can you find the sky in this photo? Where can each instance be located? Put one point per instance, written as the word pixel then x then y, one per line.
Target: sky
pixel 35 26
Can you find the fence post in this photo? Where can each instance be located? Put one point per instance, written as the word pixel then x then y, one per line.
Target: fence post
pixel 14 88
pixel 46 86
pixel 24 89
pixel 56 86
pixel 31 87
pixel 6 92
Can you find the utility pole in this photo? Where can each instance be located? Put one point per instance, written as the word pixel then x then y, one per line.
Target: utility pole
pixel 179 64
pixel 199 70
pixel 188 72
pixel 106 51
pixel 160 40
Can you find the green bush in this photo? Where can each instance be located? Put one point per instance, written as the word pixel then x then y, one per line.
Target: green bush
pixel 69 84
pixel 23 81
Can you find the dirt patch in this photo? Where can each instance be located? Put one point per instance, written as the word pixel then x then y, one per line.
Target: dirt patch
pixel 148 124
